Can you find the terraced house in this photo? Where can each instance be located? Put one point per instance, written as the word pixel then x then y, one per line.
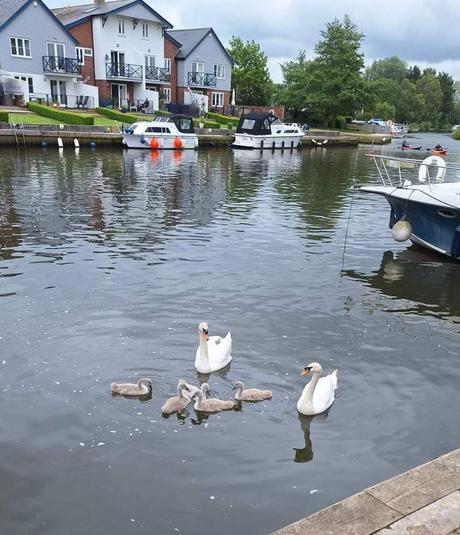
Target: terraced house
pixel 39 53
pixel 203 66
pixel 122 49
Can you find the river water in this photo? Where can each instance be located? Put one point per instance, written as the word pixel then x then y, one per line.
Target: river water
pixel 108 262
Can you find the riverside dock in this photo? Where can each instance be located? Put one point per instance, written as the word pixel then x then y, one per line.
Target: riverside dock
pixel 49 134
pixel 422 501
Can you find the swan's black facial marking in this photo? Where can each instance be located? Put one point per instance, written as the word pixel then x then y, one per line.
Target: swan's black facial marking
pixel 308 368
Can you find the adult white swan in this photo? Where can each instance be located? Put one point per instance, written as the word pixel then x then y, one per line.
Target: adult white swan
pixel 214 352
pixel 319 394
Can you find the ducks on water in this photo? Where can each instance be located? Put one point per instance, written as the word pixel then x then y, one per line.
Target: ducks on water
pixel 142 388
pixel 250 394
pixel 214 352
pixel 319 394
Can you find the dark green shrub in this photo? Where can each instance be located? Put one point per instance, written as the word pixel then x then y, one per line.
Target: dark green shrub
pixel 163 113
pixel 223 119
pixel 340 122
pixel 118 115
pixel 456 133
pixel 66 117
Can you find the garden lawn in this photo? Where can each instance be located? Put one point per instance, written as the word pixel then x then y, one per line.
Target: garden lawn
pixel 31 118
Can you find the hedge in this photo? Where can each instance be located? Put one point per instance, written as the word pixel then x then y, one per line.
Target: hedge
pixel 4 117
pixel 223 119
pixel 456 133
pixel 118 115
pixel 163 113
pixel 60 115
pixel 206 123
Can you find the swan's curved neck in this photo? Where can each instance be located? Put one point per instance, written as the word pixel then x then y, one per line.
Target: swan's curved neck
pixel 197 404
pixel 203 349
pixel 308 394
pixel 239 390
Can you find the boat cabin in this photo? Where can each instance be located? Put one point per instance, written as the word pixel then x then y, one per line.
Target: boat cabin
pixel 165 125
pixel 258 124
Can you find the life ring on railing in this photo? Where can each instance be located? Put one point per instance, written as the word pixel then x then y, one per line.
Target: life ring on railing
pixel 178 143
pixel 272 112
pixel 389 122
pixel 154 143
pixel 431 163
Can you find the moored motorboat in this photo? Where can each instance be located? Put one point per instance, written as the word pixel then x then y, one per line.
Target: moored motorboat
pixel 425 206
pixel 399 130
pixel 266 131
pixel 171 132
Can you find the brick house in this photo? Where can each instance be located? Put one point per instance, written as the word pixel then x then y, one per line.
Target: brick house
pixel 121 49
pixel 203 65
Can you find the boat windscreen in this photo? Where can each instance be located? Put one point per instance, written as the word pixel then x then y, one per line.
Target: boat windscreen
pixel 184 124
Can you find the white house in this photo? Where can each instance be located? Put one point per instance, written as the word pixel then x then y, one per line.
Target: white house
pixel 38 50
pixel 127 40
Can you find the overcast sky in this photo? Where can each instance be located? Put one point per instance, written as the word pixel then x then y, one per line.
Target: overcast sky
pixel 422 32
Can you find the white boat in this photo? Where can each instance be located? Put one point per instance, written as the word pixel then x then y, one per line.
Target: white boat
pixel 425 205
pixel 266 131
pixel 399 130
pixel 171 132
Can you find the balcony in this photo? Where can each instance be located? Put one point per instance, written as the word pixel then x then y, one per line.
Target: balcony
pixel 201 79
pixel 157 74
pixel 123 71
pixel 61 66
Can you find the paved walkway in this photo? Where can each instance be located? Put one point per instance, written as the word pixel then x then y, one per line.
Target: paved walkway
pixel 423 501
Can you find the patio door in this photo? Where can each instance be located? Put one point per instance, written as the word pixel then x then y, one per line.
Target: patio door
pixel 59 92
pixel 119 95
pixel 118 61
pixel 197 72
pixel 56 53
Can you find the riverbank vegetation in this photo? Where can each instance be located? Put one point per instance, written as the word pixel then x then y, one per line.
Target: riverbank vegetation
pixel 334 84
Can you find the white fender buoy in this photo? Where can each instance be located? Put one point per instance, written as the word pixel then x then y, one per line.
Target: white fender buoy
pixel 402 230
pixel 76 143
pixel 60 143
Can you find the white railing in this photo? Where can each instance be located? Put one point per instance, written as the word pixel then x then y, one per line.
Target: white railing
pixel 395 172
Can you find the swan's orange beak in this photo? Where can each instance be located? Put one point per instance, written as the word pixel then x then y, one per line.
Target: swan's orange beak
pixel 305 371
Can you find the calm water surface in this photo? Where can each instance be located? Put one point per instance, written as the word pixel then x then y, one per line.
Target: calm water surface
pixel 108 262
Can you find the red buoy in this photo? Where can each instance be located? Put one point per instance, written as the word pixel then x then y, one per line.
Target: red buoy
pixel 154 143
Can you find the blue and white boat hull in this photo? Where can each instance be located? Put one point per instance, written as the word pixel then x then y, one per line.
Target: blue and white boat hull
pixel 433 212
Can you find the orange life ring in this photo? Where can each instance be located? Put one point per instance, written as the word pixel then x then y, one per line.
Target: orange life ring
pixel 178 143
pixel 154 143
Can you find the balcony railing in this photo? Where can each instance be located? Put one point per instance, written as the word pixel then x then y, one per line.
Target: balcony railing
pixel 58 65
pixel 125 71
pixel 62 100
pixel 157 74
pixel 203 79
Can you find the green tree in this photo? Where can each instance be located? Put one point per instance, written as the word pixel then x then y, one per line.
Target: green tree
pixel 411 104
pixel 385 110
pixel 250 76
pixel 332 83
pixel 448 98
pixel 430 88
pixel 389 68
pixel 414 73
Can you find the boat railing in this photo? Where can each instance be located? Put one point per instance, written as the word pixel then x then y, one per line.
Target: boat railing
pixel 395 171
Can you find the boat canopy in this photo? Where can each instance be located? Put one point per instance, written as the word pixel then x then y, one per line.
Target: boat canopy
pixel 257 123
pixel 184 123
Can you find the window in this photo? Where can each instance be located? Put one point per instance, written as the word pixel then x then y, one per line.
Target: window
pixel 145 30
pixel 219 71
pixel 20 47
pixel 82 53
pixel 27 79
pixel 197 66
pixel 167 94
pixel 217 100
pixel 121 26
pixel 168 64
pixel 248 124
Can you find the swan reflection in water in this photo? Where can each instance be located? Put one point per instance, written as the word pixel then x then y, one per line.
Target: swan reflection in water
pixel 305 454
